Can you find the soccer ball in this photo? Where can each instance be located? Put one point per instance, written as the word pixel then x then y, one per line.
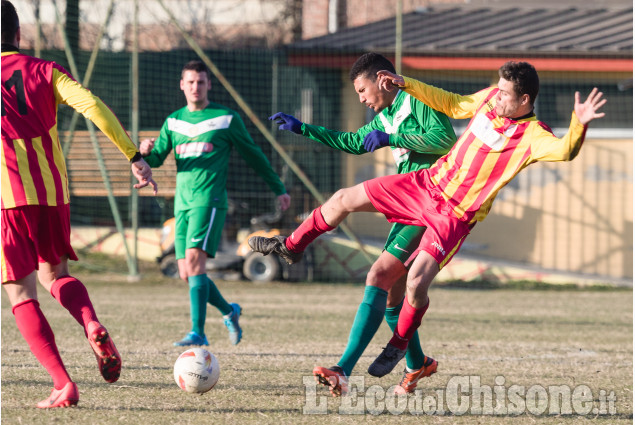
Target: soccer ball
pixel 196 371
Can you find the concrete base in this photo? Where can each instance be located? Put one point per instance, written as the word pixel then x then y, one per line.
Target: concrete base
pixel 108 241
pixel 338 259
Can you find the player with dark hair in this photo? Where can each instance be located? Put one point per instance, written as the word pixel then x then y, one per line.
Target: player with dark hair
pixel 503 137
pixel 418 135
pixel 196 66
pixel 203 135
pixel 35 205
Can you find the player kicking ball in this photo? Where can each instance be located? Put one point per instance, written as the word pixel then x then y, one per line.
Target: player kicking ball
pixel 417 135
pixel 503 137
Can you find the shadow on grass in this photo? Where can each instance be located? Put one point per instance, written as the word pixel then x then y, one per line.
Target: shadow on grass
pixel 525 285
pixel 197 409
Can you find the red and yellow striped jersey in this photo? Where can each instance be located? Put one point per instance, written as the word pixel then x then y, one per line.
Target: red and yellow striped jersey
pixel 492 150
pixel 33 171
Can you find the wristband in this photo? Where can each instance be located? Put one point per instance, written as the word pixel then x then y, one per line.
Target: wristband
pixel 137 157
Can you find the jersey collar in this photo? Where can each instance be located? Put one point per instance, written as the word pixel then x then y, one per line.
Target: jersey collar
pixel 9 48
pixel 386 110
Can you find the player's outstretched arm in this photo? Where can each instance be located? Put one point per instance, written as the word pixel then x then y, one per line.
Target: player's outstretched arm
pixel 143 173
pixel 587 111
pixel 287 122
pixel 388 80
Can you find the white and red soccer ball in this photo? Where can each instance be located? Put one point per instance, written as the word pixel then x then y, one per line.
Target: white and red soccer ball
pixel 196 371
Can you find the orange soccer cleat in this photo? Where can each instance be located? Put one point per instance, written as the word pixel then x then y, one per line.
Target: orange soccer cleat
pixel 410 379
pixel 332 377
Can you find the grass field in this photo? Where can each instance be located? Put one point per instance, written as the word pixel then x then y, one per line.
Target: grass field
pixel 507 339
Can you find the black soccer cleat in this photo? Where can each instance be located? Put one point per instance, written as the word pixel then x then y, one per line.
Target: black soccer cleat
pixel 386 361
pixel 276 245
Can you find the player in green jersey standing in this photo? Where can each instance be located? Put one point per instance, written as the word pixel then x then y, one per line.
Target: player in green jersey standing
pixel 202 135
pixel 417 135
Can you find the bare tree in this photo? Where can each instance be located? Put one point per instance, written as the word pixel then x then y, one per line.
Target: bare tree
pixel 221 24
pixel 213 24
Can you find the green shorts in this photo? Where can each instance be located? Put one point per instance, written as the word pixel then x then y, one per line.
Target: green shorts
pixel 198 228
pixel 403 241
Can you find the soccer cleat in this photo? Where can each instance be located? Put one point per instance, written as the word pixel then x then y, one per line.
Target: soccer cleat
pixel 108 358
pixel 386 361
pixel 231 321
pixel 275 244
pixel 192 339
pixel 66 397
pixel 334 378
pixel 410 379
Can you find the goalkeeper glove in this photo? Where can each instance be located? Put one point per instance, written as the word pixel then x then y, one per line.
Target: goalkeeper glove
pixel 287 122
pixel 375 140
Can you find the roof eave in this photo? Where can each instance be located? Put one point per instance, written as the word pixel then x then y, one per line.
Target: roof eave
pixel 470 61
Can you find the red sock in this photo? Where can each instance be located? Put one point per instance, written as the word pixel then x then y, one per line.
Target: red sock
pixel 308 231
pixel 73 296
pixel 409 321
pixel 38 334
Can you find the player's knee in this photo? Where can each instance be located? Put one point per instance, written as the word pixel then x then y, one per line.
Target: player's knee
pixel 349 200
pixel 194 263
pixel 418 287
pixel 379 278
pixel 338 199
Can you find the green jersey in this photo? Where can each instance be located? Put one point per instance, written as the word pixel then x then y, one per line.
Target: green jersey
pixel 202 142
pixel 419 135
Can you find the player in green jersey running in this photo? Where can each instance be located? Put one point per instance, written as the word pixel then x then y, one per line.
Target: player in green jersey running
pixel 202 135
pixel 417 135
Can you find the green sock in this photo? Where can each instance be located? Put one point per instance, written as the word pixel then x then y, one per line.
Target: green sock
pixel 367 321
pixel 414 353
pixel 215 298
pixel 198 302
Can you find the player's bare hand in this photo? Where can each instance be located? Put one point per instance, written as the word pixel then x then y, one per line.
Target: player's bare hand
pixel 146 145
pixel 588 111
pixel 284 201
pixel 388 80
pixel 143 173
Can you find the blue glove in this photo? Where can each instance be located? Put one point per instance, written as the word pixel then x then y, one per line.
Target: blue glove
pixel 287 122
pixel 375 140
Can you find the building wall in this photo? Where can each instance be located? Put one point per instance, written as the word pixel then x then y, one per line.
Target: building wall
pixel 573 217
pixel 315 14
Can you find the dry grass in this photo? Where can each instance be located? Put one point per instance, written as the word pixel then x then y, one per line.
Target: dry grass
pixel 572 338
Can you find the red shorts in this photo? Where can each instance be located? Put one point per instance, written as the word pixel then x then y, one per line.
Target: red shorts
pixel 34 234
pixel 412 198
